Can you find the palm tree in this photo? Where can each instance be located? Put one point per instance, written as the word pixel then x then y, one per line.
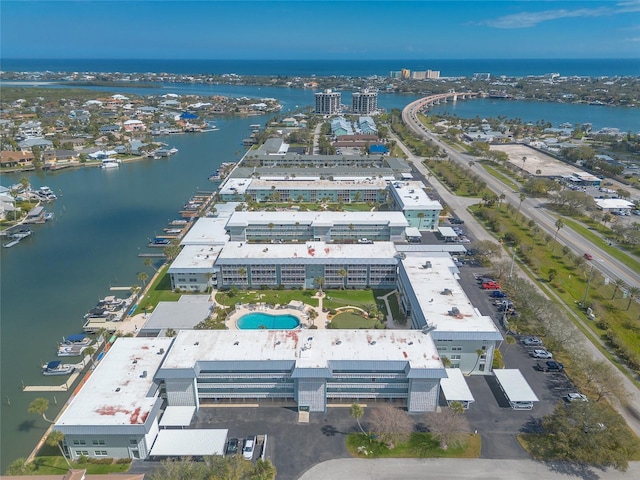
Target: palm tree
pixel 90 350
pixel 479 353
pixel 357 412
pixel 618 283
pixel 633 293
pixel 342 273
pixel 522 198
pixel 502 197
pixel 559 224
pixel 319 281
pixel 40 406
pixel 56 437
pixel 149 263
pixel 143 277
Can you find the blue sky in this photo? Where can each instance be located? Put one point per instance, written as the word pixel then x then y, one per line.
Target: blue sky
pixel 310 29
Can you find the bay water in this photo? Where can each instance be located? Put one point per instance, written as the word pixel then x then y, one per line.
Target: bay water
pixel 104 218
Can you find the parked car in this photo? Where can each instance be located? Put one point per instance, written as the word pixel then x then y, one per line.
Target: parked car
pixel 249 447
pixel 232 446
pixel 588 256
pixel 497 294
pixel 364 240
pixel 531 341
pixel 455 221
pixel 491 285
pixel 541 353
pixel 575 397
pixel 550 366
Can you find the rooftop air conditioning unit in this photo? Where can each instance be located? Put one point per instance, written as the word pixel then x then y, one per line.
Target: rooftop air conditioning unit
pixel 427 264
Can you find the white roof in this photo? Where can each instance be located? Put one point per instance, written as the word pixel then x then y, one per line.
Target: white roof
pixel 233 186
pixel 116 393
pixel 207 231
pixel 613 203
pixel 411 196
pixel 428 285
pixel 308 348
pixel 412 232
pixel 317 251
pixel 514 385
pixel 177 416
pixel 195 257
pixel 349 183
pixel 189 443
pixel 447 232
pixel 455 387
pixel 317 218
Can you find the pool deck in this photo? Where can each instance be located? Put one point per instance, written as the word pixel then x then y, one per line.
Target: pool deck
pixel 302 316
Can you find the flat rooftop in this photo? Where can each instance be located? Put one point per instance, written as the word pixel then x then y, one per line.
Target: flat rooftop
pixel 116 392
pixel 428 286
pixel 411 196
pixel 308 252
pixel 344 184
pixel 195 257
pixel 207 231
pixel 317 218
pixel 186 313
pixel 308 348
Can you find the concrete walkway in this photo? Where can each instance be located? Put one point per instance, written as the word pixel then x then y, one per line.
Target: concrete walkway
pixel 462 468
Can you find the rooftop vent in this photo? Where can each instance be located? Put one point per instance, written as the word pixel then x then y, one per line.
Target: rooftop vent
pixel 161 351
pixel 236 343
pixel 427 264
pixel 455 311
pixel 118 389
pixel 339 342
pixel 144 374
pixel 447 291
pixel 373 342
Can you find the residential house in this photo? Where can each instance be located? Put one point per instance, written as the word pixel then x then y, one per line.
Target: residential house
pixel 16 159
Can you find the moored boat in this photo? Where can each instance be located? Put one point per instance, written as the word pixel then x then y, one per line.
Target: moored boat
pixel 56 367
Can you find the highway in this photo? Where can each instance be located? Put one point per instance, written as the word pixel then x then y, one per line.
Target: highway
pixel 609 266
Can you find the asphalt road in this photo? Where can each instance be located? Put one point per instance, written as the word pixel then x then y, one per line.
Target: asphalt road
pixel 630 410
pixel 458 469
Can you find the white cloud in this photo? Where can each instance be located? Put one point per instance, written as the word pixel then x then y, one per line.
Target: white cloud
pixel 531 19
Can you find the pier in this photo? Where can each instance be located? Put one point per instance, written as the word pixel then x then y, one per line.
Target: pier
pixel 66 386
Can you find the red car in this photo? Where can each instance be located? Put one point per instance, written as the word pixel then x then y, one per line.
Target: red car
pixel 491 286
pixel 588 256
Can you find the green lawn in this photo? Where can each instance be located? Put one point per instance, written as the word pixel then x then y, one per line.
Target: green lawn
pixel 357 298
pixel 352 320
pixel 271 297
pixel 160 291
pixel 56 465
pixel 421 445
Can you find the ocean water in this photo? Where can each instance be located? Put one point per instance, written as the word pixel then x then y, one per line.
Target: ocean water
pixel 358 68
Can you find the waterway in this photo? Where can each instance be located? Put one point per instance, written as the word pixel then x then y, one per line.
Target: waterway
pixel 104 218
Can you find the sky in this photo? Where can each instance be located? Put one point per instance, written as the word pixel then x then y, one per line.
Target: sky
pixel 316 29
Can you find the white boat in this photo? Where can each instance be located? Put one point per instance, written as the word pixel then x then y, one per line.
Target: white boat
pixel 110 163
pixel 44 190
pixel 173 151
pixel 49 216
pixel 77 340
pixel 71 350
pixel 57 368
pixel 20 234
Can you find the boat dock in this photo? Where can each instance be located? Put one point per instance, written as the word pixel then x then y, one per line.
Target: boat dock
pixel 65 386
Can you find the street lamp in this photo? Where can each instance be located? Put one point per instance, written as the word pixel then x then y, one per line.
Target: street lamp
pixel 586 291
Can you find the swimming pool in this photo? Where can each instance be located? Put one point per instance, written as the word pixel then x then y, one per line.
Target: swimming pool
pixel 255 321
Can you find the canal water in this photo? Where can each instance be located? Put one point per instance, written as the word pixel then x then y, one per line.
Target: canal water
pixel 104 218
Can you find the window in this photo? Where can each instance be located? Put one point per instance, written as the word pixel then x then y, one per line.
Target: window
pixel 79 442
pixel 100 453
pixel 80 453
pixel 99 442
pixel 133 441
pixel 455 357
pixel 456 349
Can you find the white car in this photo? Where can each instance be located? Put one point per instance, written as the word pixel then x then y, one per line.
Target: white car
pixel 576 397
pixel 531 341
pixel 541 353
pixel 249 446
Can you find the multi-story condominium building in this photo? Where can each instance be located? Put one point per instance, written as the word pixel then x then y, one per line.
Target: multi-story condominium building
pixel 115 413
pixel 419 210
pixel 327 102
pixel 303 190
pixel 432 299
pixel 364 102
pixel 293 265
pixel 310 368
pixel 338 227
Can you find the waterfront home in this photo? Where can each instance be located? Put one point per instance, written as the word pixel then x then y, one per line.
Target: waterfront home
pixel 21 158
pixel 28 144
pixel 134 126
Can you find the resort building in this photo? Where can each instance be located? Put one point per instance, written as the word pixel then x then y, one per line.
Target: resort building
pixel 115 413
pixel 364 102
pixel 327 102
pixel 419 210
pixel 433 300
pixel 341 227
pixel 292 265
pixel 303 190
pixel 193 268
pixel 310 368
